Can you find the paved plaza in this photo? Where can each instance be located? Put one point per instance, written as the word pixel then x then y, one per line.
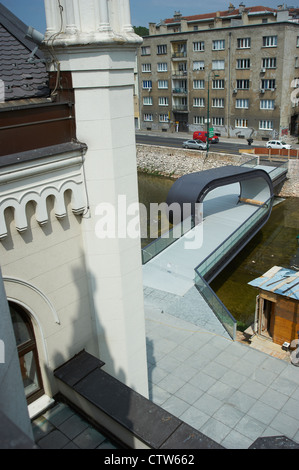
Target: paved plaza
pixel 225 389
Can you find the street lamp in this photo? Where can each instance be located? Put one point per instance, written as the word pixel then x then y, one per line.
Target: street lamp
pixel 208 109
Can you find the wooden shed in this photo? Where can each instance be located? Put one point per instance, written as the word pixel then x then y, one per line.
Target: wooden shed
pixel 277 306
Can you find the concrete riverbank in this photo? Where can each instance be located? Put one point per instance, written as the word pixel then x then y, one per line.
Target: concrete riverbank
pixel 176 162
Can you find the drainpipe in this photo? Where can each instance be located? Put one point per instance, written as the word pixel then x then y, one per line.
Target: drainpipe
pixel 229 84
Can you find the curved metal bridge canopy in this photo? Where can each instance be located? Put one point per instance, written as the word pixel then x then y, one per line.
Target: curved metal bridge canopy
pixel 255 186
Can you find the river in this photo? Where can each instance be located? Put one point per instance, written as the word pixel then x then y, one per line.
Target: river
pixel 275 244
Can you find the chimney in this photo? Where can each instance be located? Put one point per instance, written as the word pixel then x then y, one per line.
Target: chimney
pixel 241 7
pixel 177 15
pixel 231 7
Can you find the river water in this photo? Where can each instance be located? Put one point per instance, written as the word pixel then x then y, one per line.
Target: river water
pixel 275 244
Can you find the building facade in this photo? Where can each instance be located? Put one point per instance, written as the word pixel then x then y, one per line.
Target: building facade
pixel 236 69
pixel 70 287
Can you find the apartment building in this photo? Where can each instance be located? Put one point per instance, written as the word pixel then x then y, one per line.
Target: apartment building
pixel 236 69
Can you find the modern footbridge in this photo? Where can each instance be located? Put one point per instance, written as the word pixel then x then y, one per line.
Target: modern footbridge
pixel 235 203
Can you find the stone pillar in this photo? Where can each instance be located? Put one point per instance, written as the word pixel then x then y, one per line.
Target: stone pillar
pixel 103 81
pixel 104 24
pixel 12 397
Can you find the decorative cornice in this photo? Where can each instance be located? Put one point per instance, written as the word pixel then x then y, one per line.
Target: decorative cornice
pixel 36 181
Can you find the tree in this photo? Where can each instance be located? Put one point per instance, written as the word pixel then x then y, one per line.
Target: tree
pixel 141 31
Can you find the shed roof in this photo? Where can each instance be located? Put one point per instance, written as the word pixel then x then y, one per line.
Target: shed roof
pixel 22 79
pixel 281 281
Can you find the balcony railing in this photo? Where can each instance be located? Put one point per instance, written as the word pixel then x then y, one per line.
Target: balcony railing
pixel 180 91
pixel 180 107
pixel 179 55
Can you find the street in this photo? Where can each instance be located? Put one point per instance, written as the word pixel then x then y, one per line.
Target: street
pixel 176 142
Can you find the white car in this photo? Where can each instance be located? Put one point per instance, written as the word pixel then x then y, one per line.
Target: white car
pixel 194 144
pixel 277 144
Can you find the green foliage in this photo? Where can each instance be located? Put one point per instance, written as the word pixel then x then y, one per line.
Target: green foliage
pixel 141 31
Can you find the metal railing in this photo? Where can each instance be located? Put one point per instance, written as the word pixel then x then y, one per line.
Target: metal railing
pixel 168 238
pixel 219 309
pixel 216 256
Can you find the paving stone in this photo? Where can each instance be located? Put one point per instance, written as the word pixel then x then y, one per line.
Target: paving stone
pixel 236 440
pixel 73 426
pixel 89 439
pixel 58 414
pixel 54 440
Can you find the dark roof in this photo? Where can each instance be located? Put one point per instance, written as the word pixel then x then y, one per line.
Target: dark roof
pixel 22 79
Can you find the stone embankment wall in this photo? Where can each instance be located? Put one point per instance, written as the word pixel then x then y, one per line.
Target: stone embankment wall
pixel 291 185
pixel 173 162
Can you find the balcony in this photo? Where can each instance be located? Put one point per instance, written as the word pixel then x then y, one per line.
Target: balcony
pixel 180 108
pixel 179 73
pixel 179 55
pixel 179 91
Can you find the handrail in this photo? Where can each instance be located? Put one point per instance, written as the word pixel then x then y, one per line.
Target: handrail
pixel 219 309
pixel 164 241
pixel 222 313
pixel 240 228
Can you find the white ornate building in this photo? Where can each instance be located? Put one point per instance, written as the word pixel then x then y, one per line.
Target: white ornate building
pixel 71 151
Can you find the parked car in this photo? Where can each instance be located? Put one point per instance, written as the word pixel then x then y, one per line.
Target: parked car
pixel 277 144
pixel 201 135
pixel 194 144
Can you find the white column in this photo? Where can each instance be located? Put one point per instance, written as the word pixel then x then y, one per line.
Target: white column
pixel 12 397
pixel 127 25
pixel 52 17
pixel 104 16
pixel 69 14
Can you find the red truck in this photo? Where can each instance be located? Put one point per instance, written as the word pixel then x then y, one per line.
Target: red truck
pixel 202 135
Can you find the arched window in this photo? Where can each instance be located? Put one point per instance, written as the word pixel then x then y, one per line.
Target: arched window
pixel 27 351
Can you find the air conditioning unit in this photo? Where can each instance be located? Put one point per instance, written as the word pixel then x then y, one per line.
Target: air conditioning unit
pixel 262 90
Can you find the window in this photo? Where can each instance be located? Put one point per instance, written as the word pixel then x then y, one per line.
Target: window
pixel 148 117
pixel 27 351
pixel 242 84
pixel 198 84
pixel 198 120
pixel 198 65
pixel 243 104
pixel 199 46
pixel 146 84
pixel 218 102
pixel 243 43
pixel 146 68
pixel 145 50
pixel 269 63
pixel 243 63
pixel 269 41
pixel 162 84
pixel 267 104
pixel 163 101
pixel 268 84
pixel 218 45
pixel 266 125
pixel 218 121
pixel 162 49
pixel 162 67
pixel 241 123
pixel 218 84
pixel 217 64
pixel 163 118
pixel 147 100
pixel 198 102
